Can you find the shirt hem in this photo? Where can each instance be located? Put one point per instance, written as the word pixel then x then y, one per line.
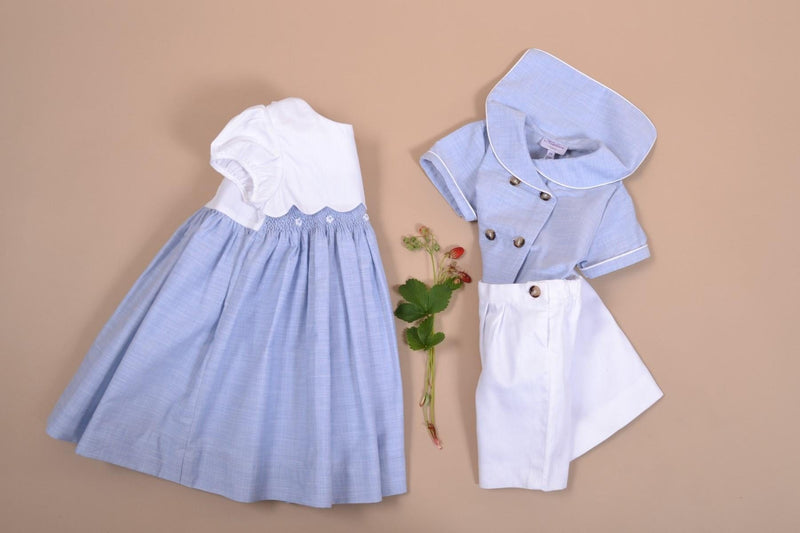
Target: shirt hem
pixel 615 263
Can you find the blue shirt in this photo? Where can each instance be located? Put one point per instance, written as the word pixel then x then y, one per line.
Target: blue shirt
pixel 542 174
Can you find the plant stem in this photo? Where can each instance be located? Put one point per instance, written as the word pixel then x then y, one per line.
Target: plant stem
pixel 428 400
pixel 432 374
pixel 433 264
pixel 429 406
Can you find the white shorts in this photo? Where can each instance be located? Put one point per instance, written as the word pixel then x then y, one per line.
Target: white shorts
pixel 559 377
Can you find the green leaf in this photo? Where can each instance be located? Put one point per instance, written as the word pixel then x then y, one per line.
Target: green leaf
pixel 408 312
pixel 424 331
pixel 412 337
pixel 425 301
pixel 415 292
pixel 422 337
pixel 435 339
pixel 438 298
pixel 422 303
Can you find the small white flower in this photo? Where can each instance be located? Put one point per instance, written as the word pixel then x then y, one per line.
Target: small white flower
pixel 366 216
pixel 298 221
pixel 329 219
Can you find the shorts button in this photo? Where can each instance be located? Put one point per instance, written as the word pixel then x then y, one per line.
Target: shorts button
pixel 544 196
pixel 519 242
pixel 514 181
pixel 490 234
pixel 535 291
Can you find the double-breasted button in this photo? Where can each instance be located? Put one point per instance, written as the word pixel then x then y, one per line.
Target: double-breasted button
pixel 514 181
pixel 490 234
pixel 535 291
pixel 519 242
pixel 544 196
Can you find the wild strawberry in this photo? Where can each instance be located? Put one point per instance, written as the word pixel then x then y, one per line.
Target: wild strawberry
pixel 455 253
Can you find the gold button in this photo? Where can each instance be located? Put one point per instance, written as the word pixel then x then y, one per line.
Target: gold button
pixel 535 291
pixel 490 234
pixel 514 181
pixel 544 196
pixel 519 242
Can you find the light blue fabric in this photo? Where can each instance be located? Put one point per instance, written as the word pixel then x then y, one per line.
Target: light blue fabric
pixel 571 210
pixel 256 364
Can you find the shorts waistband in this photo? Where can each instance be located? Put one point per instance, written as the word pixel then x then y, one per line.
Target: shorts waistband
pixel 544 291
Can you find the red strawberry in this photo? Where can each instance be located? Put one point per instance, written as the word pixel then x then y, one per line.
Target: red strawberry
pixel 455 253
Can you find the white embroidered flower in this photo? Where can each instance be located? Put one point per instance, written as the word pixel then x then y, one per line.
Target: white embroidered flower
pixel 329 219
pixel 298 221
pixel 366 216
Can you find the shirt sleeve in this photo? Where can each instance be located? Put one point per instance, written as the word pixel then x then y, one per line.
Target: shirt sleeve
pixel 452 165
pixel 245 152
pixel 619 241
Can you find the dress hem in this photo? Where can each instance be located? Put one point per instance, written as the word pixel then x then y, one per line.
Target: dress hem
pixel 393 491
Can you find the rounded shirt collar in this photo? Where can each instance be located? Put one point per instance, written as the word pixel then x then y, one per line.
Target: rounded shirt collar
pixel 543 97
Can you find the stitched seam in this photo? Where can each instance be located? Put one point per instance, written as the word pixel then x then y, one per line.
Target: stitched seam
pixel 551 357
pixel 615 257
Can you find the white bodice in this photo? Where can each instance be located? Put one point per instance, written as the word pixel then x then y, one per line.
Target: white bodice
pixel 281 155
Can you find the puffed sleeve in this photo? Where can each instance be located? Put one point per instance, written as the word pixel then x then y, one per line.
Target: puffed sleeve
pixel 619 240
pixel 246 152
pixel 452 165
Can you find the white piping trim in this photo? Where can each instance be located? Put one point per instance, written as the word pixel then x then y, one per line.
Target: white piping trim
pixel 486 112
pixel 454 182
pixel 614 258
pixel 597 82
pixel 488 134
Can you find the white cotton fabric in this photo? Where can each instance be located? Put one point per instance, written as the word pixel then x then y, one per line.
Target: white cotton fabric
pixel 559 377
pixel 286 154
pixel 229 200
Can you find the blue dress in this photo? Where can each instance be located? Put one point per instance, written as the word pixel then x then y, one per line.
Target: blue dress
pixel 256 355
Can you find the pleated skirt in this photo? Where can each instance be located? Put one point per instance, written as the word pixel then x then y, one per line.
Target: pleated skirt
pixel 255 364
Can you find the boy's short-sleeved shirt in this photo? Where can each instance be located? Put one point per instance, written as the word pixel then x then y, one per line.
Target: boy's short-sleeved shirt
pixel 542 174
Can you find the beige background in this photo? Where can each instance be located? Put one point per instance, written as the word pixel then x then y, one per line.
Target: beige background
pixel 107 111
